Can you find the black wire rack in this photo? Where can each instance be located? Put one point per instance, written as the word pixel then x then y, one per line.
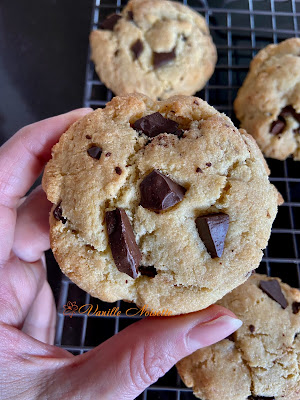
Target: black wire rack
pixel 239 29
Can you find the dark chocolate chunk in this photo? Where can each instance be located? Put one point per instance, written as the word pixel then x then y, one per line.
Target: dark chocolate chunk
pixel 158 192
pixel 110 22
pixel 251 328
pixel 277 126
pixel 260 398
pixel 88 137
pixel 230 337
pixel 154 124
pixel 179 133
pixel 149 271
pixel 118 170
pixel 297 131
pixel 130 16
pixel 95 152
pixel 57 214
pixel 137 49
pixel 273 290
pixel 296 307
pixel 212 230
pixel 289 111
pixel 199 170
pixel 208 164
pixel 108 154
pixel 125 251
pixel 160 59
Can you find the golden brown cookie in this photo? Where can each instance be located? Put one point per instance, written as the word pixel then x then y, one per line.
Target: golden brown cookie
pixel 165 204
pixel 156 47
pixel 261 360
pixel 268 103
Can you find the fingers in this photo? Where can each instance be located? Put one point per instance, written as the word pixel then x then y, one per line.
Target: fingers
pixel 24 155
pixel 130 361
pixel 32 227
pixel 21 161
pixel 41 319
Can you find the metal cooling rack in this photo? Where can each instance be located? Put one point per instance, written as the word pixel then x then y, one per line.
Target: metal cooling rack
pixel 239 30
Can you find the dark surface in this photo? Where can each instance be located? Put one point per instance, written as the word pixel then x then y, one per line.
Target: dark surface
pixel 43 50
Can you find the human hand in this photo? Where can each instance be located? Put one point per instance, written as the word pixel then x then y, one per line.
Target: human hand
pixel 30 366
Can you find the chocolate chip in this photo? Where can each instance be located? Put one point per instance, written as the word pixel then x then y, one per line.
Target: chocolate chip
pixel 296 307
pixel 137 49
pixel 297 131
pixel 57 214
pixel 208 164
pixel 160 59
pixel 154 124
pixel 199 170
pixel 230 337
pixel 273 290
pixel 88 137
pixel 95 152
pixel 130 16
pixel 277 126
pixel 212 230
pixel 108 154
pixel 158 192
pixel 289 111
pixel 260 398
pixel 118 170
pixel 149 271
pixel 125 251
pixel 251 328
pixel 110 22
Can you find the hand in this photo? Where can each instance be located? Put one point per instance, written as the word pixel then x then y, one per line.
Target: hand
pixel 31 367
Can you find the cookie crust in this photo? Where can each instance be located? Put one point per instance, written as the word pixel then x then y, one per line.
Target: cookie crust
pixel 233 180
pixel 148 28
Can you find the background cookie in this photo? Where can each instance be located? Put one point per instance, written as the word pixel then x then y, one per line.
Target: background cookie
pixel 268 103
pixel 261 359
pixel 155 47
pixel 105 161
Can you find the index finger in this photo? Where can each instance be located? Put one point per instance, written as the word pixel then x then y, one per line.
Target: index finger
pixel 23 157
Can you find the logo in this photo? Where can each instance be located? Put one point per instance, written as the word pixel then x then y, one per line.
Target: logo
pixel 70 308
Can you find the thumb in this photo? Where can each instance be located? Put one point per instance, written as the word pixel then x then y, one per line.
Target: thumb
pixel 126 364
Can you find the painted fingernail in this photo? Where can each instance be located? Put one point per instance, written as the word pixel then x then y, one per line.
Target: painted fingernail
pixel 211 332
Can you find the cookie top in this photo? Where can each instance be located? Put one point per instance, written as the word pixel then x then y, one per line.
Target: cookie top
pixel 156 47
pixel 198 203
pixel 268 103
pixel 261 360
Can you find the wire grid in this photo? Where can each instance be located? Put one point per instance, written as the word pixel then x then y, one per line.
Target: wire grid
pixel 239 30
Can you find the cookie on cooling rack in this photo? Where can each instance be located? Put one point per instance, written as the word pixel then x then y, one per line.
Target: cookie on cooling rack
pixel 165 204
pixel 261 360
pixel 156 47
pixel 268 103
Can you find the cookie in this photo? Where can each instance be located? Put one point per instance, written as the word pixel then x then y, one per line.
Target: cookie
pixel 261 360
pixel 268 103
pixel 165 204
pixel 156 47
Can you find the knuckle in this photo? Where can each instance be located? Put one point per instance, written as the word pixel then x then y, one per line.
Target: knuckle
pixel 151 364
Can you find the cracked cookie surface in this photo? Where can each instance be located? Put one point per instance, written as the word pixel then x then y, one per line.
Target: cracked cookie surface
pixel 220 169
pixel 261 360
pixel 268 103
pixel 157 47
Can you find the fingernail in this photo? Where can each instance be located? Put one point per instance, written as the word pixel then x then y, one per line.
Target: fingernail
pixel 211 332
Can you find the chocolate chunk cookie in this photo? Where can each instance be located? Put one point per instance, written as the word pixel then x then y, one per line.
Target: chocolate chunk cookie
pixel 268 103
pixel 165 204
pixel 156 47
pixel 262 359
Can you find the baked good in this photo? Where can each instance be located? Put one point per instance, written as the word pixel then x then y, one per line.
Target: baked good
pixel 261 360
pixel 268 103
pixel 165 204
pixel 156 47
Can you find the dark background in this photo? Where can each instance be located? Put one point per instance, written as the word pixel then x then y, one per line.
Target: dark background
pixel 43 52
